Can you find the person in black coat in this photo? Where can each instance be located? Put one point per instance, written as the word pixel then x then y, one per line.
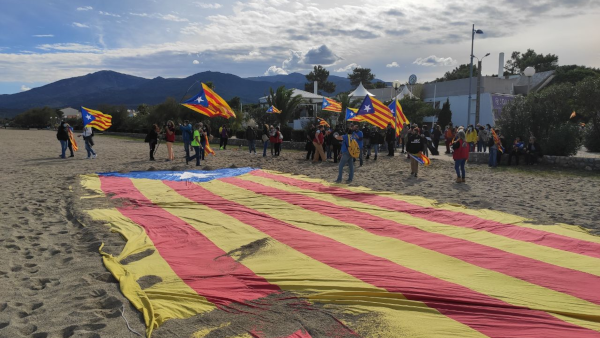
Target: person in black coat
pixel 251 138
pixel 335 144
pixel 310 148
pixel 152 139
pixel 390 137
pixel 533 151
pixel 63 136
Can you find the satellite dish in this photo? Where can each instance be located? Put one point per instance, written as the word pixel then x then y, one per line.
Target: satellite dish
pixel 412 80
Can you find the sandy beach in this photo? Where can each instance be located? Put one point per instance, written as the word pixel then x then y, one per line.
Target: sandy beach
pixel 53 282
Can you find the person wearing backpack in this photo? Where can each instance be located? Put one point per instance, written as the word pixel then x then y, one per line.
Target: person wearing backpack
pixel 350 151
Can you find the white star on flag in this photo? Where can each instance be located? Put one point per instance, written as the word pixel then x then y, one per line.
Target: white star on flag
pixel 188 175
pixel 367 108
pixel 199 99
pixel 88 117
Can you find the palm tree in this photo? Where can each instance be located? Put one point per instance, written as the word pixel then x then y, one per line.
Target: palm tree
pixel 283 100
pixel 347 102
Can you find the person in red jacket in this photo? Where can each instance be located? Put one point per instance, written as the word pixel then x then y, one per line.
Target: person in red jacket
pixel 460 155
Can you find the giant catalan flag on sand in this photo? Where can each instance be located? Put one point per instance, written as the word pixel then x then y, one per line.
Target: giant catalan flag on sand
pixel 254 253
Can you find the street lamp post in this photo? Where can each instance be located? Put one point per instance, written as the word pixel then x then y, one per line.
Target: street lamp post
pixel 396 85
pixel 473 32
pixel 478 105
pixel 529 72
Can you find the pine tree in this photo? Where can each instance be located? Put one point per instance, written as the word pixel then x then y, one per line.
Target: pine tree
pixel 445 116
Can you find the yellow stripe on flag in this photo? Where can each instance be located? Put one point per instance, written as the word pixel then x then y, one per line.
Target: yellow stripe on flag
pixel 494 284
pixel 294 271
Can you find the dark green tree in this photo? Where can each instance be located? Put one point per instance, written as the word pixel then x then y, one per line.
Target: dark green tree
pixel 363 75
pixel 380 84
pixel 143 109
pixel 587 105
pixel 574 74
pixel 35 118
pixel 460 72
pixel 542 63
pixel 320 75
pixel 119 115
pixel 415 109
pixel 445 115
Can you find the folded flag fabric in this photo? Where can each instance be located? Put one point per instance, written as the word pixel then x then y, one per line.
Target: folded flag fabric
pixel 376 113
pixel 95 119
pixel 322 122
pixel 72 139
pixel 497 141
pixel 351 115
pixel 399 116
pixel 273 110
pixel 331 105
pixel 208 103
pixel 421 158
pixel 208 150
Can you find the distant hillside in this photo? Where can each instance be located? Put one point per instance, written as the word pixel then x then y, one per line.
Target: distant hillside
pixel 108 87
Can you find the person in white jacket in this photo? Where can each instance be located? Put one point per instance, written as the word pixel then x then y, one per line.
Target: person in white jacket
pixel 89 141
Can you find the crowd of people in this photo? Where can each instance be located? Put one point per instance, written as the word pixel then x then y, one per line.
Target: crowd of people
pixel 325 144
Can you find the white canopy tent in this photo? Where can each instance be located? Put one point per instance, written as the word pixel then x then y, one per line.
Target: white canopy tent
pixel 360 91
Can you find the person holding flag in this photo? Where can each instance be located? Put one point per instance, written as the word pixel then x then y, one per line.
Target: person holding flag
pixel 318 140
pixel 415 149
pixel 88 135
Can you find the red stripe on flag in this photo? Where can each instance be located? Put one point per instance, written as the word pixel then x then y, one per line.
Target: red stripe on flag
pixel 524 268
pixel 488 315
pixel 454 218
pixel 192 256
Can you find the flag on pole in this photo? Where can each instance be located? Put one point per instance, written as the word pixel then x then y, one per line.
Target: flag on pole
pixel 351 115
pixel 331 105
pixel 95 119
pixel 322 122
pixel 375 112
pixel 208 103
pixel 421 158
pixel 274 110
pixel 399 116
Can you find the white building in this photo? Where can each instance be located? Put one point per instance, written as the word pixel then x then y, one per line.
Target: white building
pixel 494 95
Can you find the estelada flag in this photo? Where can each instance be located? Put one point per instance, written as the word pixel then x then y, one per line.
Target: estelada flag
pixel 72 139
pixel 399 116
pixel 351 115
pixel 322 122
pixel 497 141
pixel 421 158
pixel 208 103
pixel 274 110
pixel 331 105
pixel 376 113
pixel 95 119
pixel 208 149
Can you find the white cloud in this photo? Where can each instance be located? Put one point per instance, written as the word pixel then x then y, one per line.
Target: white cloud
pixel 166 17
pixel 347 68
pixel 80 25
pixel 207 6
pixel 85 8
pixel 196 62
pixel 24 88
pixel 274 70
pixel 392 65
pixel 432 61
pixel 69 47
pixel 109 14
pixel 43 36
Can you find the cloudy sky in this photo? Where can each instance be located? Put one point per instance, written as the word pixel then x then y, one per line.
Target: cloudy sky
pixel 44 41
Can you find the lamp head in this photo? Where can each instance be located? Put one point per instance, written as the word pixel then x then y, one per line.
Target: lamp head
pixel 529 71
pixel 479 31
pixel 488 54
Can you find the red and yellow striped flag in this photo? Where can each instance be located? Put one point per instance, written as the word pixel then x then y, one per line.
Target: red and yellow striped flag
pixel 245 243
pixel 95 119
pixel 376 113
pixel 209 103
pixel 331 105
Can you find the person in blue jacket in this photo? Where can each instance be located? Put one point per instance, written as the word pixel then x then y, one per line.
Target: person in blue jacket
pixel 186 135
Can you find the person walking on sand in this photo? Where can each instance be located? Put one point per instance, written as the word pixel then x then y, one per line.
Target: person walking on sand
pixel 186 136
pixel 69 143
pixel 461 155
pixel 390 137
pixel 63 136
pixel 414 147
pixel 170 138
pixel 318 141
pixel 195 143
pixel 251 138
pixel 152 139
pixel 278 141
pixel 265 139
pixel 225 136
pixel 88 138
pixel 346 158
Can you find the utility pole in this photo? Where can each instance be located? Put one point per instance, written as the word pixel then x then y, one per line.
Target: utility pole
pixel 478 105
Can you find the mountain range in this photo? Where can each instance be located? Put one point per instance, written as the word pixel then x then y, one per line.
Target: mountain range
pixel 109 87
